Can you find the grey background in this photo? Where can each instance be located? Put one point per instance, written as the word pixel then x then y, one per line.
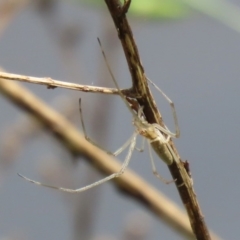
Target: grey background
pixel 195 61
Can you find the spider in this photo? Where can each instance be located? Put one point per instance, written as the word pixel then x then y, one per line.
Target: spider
pixel 158 137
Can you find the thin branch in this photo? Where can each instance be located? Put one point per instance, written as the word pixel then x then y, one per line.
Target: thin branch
pixel 140 87
pixel 129 183
pixel 51 83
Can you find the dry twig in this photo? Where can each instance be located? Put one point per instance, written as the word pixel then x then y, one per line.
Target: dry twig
pixel 51 83
pixel 144 97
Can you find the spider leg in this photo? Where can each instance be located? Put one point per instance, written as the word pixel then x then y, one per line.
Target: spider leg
pixel 160 138
pixel 124 146
pixel 141 149
pixel 154 169
pixel 177 130
pixel 117 152
pixel 114 175
pixel 85 132
pixel 115 81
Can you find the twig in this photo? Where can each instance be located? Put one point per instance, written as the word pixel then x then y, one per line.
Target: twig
pixel 51 84
pixel 140 87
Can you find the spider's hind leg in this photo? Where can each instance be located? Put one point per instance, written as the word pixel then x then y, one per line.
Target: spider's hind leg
pixel 166 130
pixel 154 169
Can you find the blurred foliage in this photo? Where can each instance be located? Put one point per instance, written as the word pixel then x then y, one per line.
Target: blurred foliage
pixel 221 10
pixel 152 9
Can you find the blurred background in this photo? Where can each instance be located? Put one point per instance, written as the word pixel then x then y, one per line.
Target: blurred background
pixel 190 50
